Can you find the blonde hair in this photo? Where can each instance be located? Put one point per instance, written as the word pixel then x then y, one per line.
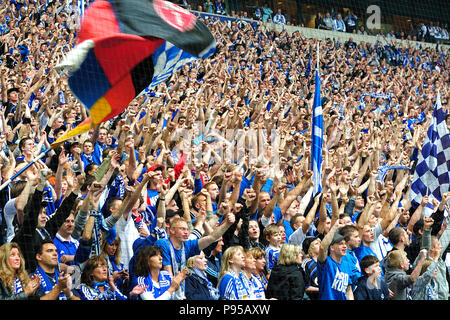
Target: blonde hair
pixel 117 255
pixel 425 265
pixel 226 257
pixel 310 252
pixel 257 252
pixel 7 274
pixel 395 258
pixel 289 253
pixel 191 262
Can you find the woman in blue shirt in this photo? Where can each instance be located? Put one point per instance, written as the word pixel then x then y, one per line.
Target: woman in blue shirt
pixel 158 284
pixel 233 284
pixel 95 283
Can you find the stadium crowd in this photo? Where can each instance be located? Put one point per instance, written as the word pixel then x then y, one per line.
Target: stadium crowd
pixel 201 188
pixel 334 19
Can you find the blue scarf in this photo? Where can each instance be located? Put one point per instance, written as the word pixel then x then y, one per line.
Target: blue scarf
pixel 17 286
pixel 46 283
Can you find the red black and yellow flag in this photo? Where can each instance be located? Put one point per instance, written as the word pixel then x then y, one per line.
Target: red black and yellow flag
pixel 125 46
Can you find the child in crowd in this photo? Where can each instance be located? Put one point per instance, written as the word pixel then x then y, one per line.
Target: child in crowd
pixel 370 286
pixel 272 234
pixel 396 278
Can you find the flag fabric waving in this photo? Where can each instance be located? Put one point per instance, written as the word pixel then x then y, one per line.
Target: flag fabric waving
pixel 317 138
pixel 126 46
pixel 432 174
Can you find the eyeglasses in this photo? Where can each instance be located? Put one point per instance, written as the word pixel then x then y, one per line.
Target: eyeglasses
pixel 101 266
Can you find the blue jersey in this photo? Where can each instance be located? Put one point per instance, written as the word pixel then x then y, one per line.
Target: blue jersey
pixel 234 286
pixel 334 279
pixel 155 290
pixel 190 249
pixel 353 262
pixel 272 254
pixel 65 247
pixel 363 251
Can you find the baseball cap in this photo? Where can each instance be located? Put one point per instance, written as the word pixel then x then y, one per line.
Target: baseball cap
pixel 12 90
pixel 337 238
pixel 307 243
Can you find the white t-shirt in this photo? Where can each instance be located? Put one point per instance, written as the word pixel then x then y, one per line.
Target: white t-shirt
pixel 10 212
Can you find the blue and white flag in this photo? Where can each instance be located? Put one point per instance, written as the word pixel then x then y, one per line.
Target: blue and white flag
pixel 317 139
pixel 384 169
pixel 432 175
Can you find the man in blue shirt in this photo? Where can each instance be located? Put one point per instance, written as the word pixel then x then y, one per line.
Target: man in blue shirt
pixel 333 272
pixel 177 248
pixel 66 245
pixel 99 141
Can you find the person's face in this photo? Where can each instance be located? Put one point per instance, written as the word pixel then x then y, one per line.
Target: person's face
pixel 14 259
pixel 100 272
pixel 275 239
pixel 87 148
pixel 58 123
pixel 68 224
pixel 155 261
pixel 374 270
pixel 327 225
pixel 42 218
pixel 359 202
pixel 172 205
pixel 293 208
pixel 49 256
pixel 354 241
pixel 214 191
pixel 250 262
pixel 238 259
pixel 102 135
pixel 253 230
pixel 260 263
pixel 315 247
pixel 201 202
pixel 339 248
pixel 404 218
pixel 28 147
pixel 13 96
pixel 367 234
pixel 201 262
pixel 111 248
pixel 115 206
pixel 264 200
pixel 180 231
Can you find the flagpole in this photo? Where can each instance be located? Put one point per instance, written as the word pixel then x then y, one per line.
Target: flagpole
pixel 318 43
pixel 39 157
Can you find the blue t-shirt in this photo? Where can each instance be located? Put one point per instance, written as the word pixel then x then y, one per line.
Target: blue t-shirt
pixel 190 247
pixel 287 229
pixel 334 279
pixel 164 284
pixel 353 262
pixel 234 286
pixel 362 251
pixel 65 247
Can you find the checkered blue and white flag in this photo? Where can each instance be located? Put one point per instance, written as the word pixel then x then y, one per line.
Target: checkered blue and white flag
pixel 432 175
pixel 317 139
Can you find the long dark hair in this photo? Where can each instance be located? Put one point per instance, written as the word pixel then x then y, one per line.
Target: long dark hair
pixel 142 266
